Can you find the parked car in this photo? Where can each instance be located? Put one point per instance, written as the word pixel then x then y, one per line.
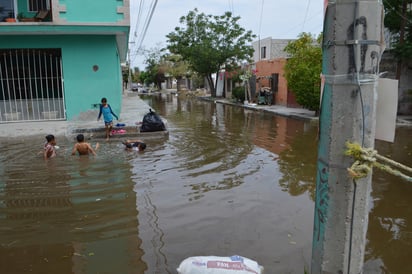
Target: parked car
pixel 143 89
pixel 134 87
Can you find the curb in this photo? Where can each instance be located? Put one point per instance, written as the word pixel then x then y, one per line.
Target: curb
pixel 284 112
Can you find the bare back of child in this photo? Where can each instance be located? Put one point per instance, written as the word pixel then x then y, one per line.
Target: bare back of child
pixel 83 148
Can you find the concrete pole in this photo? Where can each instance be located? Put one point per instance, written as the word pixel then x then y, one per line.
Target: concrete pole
pixel 129 76
pixel 352 47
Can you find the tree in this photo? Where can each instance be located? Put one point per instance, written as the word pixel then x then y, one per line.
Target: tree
pixel 154 71
pixel 208 43
pixel 303 69
pixel 398 20
pixel 176 67
pixel 135 74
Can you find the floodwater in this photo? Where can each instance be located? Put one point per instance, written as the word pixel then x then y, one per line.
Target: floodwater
pixel 226 181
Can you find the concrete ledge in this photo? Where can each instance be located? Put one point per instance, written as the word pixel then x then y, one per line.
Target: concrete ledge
pixel 130 133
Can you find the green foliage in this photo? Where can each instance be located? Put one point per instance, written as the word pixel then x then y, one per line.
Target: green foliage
pixel 238 93
pixel 146 78
pixel 397 13
pixel 175 66
pixel 154 71
pixel 207 43
pixel 303 69
pixel 197 81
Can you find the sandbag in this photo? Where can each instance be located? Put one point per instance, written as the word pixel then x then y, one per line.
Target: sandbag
pixel 219 265
pixel 152 122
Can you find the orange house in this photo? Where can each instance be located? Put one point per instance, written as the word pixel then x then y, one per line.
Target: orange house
pixel 269 62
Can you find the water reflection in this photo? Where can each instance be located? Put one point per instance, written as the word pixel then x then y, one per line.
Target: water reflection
pixel 223 194
pixel 390 219
pixel 67 215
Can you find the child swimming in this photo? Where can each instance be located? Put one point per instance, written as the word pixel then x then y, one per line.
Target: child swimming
pixel 138 144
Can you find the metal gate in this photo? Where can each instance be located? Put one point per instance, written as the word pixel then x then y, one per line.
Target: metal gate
pixel 31 85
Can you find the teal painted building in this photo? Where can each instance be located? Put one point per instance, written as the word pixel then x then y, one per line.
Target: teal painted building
pixel 58 58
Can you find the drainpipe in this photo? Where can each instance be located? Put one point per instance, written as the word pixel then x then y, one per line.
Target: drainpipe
pixel 352 44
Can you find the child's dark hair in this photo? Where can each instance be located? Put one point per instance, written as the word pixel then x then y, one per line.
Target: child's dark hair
pixel 80 138
pixel 50 138
pixel 104 100
pixel 142 146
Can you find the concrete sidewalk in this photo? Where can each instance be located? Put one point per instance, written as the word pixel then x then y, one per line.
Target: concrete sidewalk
pixel 295 113
pixel 133 110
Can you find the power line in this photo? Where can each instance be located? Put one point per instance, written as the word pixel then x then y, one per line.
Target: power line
pixel 145 27
pixel 261 16
pixel 313 16
pixel 306 15
pixel 139 15
pixel 231 7
pixel 395 9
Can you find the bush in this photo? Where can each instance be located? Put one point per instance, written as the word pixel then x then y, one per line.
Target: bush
pixel 238 93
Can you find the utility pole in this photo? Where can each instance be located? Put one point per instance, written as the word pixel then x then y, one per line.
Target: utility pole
pixel 352 47
pixel 129 78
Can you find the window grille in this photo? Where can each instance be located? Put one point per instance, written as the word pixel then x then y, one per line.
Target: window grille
pixel 37 5
pixel 31 85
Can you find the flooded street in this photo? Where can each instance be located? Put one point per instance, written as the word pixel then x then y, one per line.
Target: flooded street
pixel 226 181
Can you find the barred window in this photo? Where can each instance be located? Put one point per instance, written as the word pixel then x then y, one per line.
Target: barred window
pixel 37 5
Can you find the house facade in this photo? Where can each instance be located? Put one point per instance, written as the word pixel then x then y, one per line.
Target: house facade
pixel 58 58
pixel 269 61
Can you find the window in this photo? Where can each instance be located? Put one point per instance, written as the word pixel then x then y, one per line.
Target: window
pixel 37 5
pixel 263 52
pixel 6 9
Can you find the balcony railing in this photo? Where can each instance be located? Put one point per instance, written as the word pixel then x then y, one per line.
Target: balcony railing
pixel 13 11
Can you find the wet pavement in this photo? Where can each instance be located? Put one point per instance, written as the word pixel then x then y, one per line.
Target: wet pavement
pixel 132 112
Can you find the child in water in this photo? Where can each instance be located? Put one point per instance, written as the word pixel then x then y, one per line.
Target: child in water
pixel 49 150
pixel 138 144
pixel 82 147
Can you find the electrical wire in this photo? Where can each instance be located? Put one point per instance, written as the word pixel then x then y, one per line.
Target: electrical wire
pixel 397 11
pixel 147 22
pixel 261 16
pixel 140 38
pixel 306 15
pixel 313 16
pixel 231 7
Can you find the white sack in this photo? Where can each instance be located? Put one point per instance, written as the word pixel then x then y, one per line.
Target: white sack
pixel 219 265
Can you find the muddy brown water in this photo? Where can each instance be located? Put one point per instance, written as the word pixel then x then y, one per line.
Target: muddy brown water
pixel 225 181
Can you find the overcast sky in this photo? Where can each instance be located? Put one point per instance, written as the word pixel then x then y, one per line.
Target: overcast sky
pixel 279 19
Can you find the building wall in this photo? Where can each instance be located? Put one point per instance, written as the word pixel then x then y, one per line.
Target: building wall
pixel 91 11
pixel 274 48
pixel 274 62
pixel 257 45
pixel 83 84
pixel 93 38
pixel 266 68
